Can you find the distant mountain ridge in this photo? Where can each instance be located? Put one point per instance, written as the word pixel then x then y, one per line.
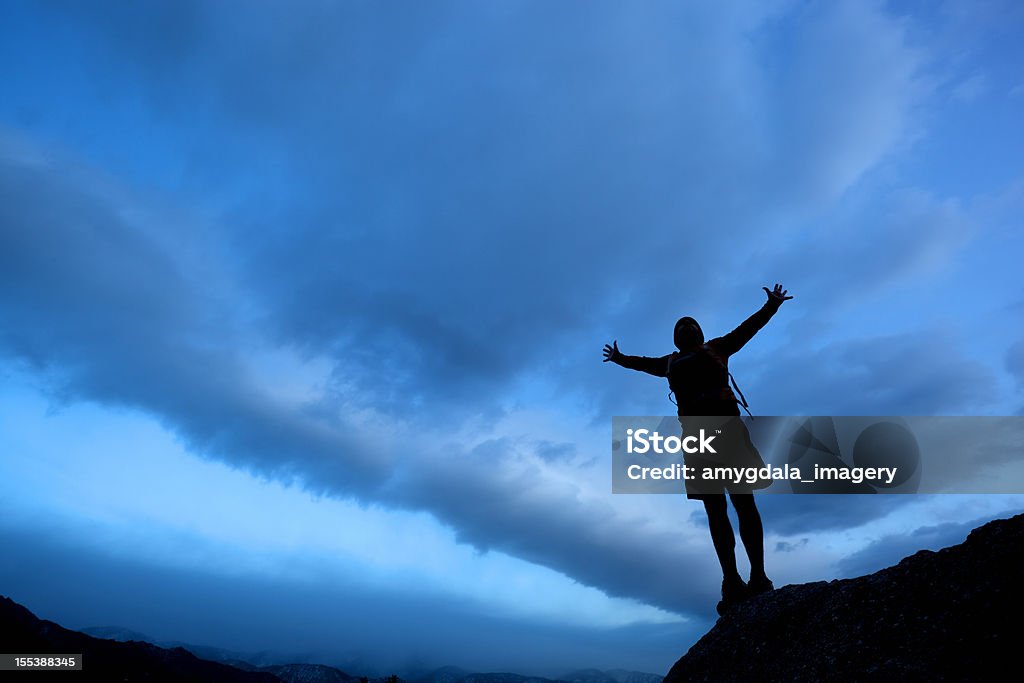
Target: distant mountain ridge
pixel 117 653
pixel 935 616
pixel 451 674
pixel 109 660
pixel 611 676
pixel 249 661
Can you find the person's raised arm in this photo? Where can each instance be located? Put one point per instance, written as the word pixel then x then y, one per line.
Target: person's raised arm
pixel 652 366
pixel 735 340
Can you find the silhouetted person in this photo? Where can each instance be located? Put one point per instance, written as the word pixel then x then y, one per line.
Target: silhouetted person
pixel 698 375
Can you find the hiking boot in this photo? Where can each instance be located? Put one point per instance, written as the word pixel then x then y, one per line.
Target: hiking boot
pixel 733 593
pixel 758 585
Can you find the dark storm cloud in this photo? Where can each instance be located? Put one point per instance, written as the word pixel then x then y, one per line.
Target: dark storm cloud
pixel 792 515
pixel 480 192
pixel 128 326
pixel 95 302
pixel 928 372
pixel 788 547
pixel 517 511
pixel 907 237
pixel 555 451
pixel 458 202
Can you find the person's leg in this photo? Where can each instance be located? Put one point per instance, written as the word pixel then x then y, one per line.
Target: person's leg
pixel 752 535
pixel 722 536
pixel 734 590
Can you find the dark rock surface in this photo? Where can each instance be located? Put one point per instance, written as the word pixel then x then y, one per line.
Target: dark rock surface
pixel 949 615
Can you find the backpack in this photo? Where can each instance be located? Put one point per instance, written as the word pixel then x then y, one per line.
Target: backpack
pixel 738 396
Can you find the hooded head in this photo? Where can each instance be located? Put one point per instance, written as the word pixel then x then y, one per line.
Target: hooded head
pixel 687 333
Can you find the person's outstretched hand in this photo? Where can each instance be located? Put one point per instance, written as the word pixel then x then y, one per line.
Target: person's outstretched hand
pixel 778 294
pixel 611 351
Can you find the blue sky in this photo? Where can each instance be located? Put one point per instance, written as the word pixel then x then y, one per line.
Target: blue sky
pixel 303 304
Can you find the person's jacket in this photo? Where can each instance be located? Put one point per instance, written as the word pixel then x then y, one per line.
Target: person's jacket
pixel 699 376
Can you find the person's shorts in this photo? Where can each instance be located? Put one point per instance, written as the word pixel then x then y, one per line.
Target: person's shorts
pixel 735 467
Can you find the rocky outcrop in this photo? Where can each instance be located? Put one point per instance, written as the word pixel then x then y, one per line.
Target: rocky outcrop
pixel 947 615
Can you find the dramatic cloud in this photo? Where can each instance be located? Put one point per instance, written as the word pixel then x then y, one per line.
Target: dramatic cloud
pixel 95 301
pixel 375 252
pixel 923 373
